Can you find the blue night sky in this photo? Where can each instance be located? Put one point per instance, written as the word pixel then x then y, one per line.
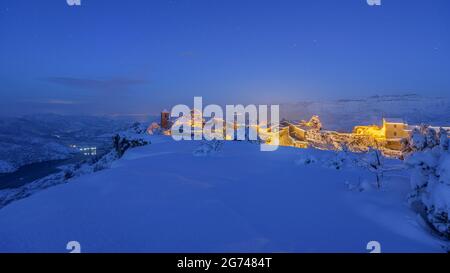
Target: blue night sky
pixel 139 56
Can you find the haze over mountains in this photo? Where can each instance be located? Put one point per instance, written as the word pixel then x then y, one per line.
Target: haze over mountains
pixel 344 114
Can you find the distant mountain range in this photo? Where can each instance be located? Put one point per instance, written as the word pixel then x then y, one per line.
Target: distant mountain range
pixel 44 137
pixel 345 114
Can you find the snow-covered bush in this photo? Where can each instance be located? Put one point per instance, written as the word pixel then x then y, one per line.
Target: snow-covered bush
pixel 429 159
pixel 338 161
pixel 138 128
pixel 343 157
pixel 68 173
pixel 444 141
pixel 305 159
pixel 122 143
pixel 424 137
pixel 208 148
pixel 136 135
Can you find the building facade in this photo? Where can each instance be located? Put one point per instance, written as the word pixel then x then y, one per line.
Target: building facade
pixel 395 128
pixel 165 120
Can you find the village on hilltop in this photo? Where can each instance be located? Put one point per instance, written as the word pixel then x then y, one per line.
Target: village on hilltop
pixel 389 137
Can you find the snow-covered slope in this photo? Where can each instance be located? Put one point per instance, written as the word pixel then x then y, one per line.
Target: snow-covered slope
pixel 163 198
pixel 345 114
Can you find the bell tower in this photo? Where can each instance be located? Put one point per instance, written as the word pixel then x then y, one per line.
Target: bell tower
pixel 165 119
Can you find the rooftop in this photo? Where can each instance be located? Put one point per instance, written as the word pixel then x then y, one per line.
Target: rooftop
pixel 394 120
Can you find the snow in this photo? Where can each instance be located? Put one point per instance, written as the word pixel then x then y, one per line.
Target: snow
pixel 6 167
pixel 440 195
pixel 68 171
pixel 444 170
pixel 430 179
pixel 163 198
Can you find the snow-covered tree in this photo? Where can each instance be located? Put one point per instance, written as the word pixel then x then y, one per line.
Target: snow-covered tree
pixel 138 128
pixel 122 143
pixel 417 141
pixel 431 137
pixel 373 161
pixel 444 141
pixel 430 177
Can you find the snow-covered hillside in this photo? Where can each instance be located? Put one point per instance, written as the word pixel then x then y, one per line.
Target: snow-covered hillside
pixel 45 137
pixel 167 197
pixel 345 114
